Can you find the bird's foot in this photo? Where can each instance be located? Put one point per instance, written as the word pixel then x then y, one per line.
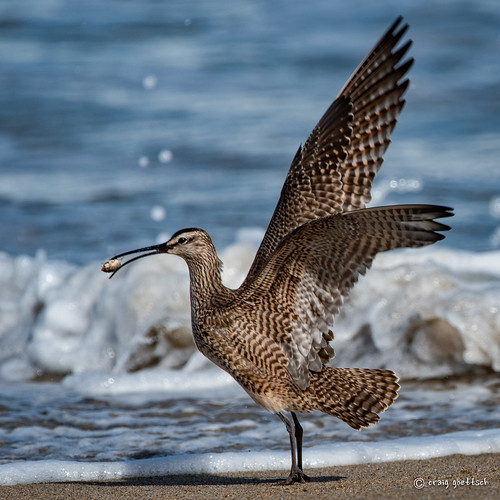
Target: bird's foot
pixel 297 476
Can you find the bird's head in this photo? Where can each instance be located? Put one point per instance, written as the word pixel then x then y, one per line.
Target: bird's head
pixel 190 244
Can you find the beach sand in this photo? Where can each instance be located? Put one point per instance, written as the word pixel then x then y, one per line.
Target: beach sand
pixel 456 476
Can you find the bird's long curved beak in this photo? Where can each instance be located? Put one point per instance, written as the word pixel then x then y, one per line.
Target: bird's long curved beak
pixel 114 264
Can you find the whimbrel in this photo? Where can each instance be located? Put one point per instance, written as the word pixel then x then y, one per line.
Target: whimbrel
pixel 272 334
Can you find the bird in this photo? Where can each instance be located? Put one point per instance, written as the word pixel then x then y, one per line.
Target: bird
pixel 273 334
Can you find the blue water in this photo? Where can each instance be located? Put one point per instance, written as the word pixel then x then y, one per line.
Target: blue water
pixel 121 122
pixel 90 92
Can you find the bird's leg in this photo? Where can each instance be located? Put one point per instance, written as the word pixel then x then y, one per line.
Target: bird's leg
pixel 298 439
pixel 295 432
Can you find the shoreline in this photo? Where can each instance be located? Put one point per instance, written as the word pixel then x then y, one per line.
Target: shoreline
pixel 456 476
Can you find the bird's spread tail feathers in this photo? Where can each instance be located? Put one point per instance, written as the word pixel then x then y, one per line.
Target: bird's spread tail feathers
pixel 354 395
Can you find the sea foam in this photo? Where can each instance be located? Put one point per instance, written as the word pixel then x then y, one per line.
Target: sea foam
pixel 465 442
pixel 425 313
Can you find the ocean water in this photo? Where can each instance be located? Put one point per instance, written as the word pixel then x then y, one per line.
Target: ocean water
pixel 121 122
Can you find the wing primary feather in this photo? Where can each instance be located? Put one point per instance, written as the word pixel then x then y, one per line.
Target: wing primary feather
pixel 333 171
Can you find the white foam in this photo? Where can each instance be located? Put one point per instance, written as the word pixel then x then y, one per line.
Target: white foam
pixel 423 313
pixel 427 313
pixel 411 448
pixel 198 376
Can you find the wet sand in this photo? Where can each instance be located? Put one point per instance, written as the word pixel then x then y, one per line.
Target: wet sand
pixel 456 476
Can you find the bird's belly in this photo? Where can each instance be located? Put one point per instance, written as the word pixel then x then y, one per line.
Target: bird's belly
pixel 271 389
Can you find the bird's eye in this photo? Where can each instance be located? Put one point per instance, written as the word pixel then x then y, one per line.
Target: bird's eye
pixel 181 241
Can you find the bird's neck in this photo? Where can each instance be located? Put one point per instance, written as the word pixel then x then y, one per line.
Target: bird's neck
pixel 207 290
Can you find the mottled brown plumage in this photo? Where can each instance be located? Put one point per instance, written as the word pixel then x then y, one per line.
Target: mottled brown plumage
pixel 334 170
pixel 272 333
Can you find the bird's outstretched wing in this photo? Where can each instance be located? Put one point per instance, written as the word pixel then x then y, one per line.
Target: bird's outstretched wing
pixel 334 170
pixel 313 268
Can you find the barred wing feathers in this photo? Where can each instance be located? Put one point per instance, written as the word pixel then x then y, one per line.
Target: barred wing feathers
pixel 334 170
pixel 316 265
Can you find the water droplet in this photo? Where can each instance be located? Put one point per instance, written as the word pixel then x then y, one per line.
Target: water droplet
pixel 165 156
pixel 158 213
pixel 143 161
pixel 149 82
